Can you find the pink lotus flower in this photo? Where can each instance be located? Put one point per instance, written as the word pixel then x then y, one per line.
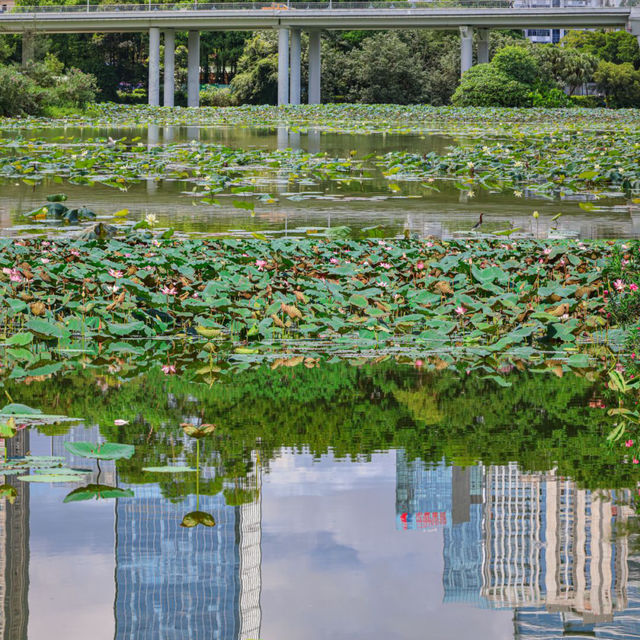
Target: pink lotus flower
pixel 636 461
pixel 334 261
pixel 420 266
pixel 628 443
pixel 633 286
pixel 547 251
pixel 460 310
pixel 418 364
pixel 14 274
pixel 386 265
pixel 261 264
pixel 168 369
pixel 115 274
pixel 120 423
pixel 619 285
pixel 169 291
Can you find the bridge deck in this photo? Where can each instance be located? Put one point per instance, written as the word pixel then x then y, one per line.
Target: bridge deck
pixel 93 19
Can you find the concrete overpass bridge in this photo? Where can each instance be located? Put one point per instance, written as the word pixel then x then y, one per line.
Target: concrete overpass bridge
pixel 292 18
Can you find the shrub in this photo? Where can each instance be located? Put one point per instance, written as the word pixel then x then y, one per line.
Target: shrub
pixel 133 96
pixel 19 94
pixel 486 86
pixel 588 102
pixel 516 63
pixel 620 83
pixel 550 99
pixel 75 89
pixel 212 96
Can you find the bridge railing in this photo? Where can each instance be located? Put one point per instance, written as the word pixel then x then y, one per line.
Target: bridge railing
pixel 328 5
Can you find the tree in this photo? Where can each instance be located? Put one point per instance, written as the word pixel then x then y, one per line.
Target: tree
pixel 564 67
pixel 620 84
pixel 385 70
pixel 486 86
pixel 257 79
pixel 617 46
pixel 517 63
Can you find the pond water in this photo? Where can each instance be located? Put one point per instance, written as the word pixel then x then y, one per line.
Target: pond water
pixel 296 202
pixel 348 502
pixel 335 499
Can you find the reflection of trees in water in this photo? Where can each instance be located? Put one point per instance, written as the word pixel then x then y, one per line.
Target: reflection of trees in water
pixel 540 421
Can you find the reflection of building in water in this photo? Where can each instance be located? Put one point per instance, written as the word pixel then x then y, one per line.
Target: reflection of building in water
pixel 448 498
pixel 547 542
pixel 538 544
pixel 174 582
pixel 14 550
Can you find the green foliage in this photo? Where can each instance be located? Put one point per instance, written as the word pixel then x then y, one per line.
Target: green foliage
pixel 550 99
pixel 212 96
pixel 618 47
pixel 19 94
pixel 620 84
pixel 588 102
pixel 516 63
pixel 564 66
pixel 384 70
pixel 257 79
pixel 486 86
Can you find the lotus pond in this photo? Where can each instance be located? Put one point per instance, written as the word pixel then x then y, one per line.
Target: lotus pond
pixel 264 376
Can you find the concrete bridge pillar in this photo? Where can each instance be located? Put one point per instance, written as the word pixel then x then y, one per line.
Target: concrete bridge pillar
pixel 169 67
pixel 634 22
pixel 154 66
pixel 294 78
pixel 466 48
pixel 28 47
pixel 314 67
pixel 193 69
pixel 283 66
pixel 483 46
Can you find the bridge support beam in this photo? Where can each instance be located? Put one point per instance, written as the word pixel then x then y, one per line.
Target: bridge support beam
pixel 294 78
pixel 283 66
pixel 28 47
pixel 169 67
pixel 193 69
pixel 483 46
pixel 154 67
pixel 634 23
pixel 466 48
pixel 314 67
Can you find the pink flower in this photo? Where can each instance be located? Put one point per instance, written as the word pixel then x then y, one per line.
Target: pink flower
pixel 636 461
pixel 460 310
pixel 619 285
pixel 334 261
pixel 420 266
pixel 633 286
pixel 115 274
pixel 169 291
pixel 386 265
pixel 547 251
pixel 261 264
pixel 168 369
pixel 14 274
pixel 382 283
pixel 628 443
pixel 429 244
pixel 120 423
pixel 418 364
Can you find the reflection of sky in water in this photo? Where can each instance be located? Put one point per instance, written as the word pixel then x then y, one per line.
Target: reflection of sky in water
pixel 334 562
